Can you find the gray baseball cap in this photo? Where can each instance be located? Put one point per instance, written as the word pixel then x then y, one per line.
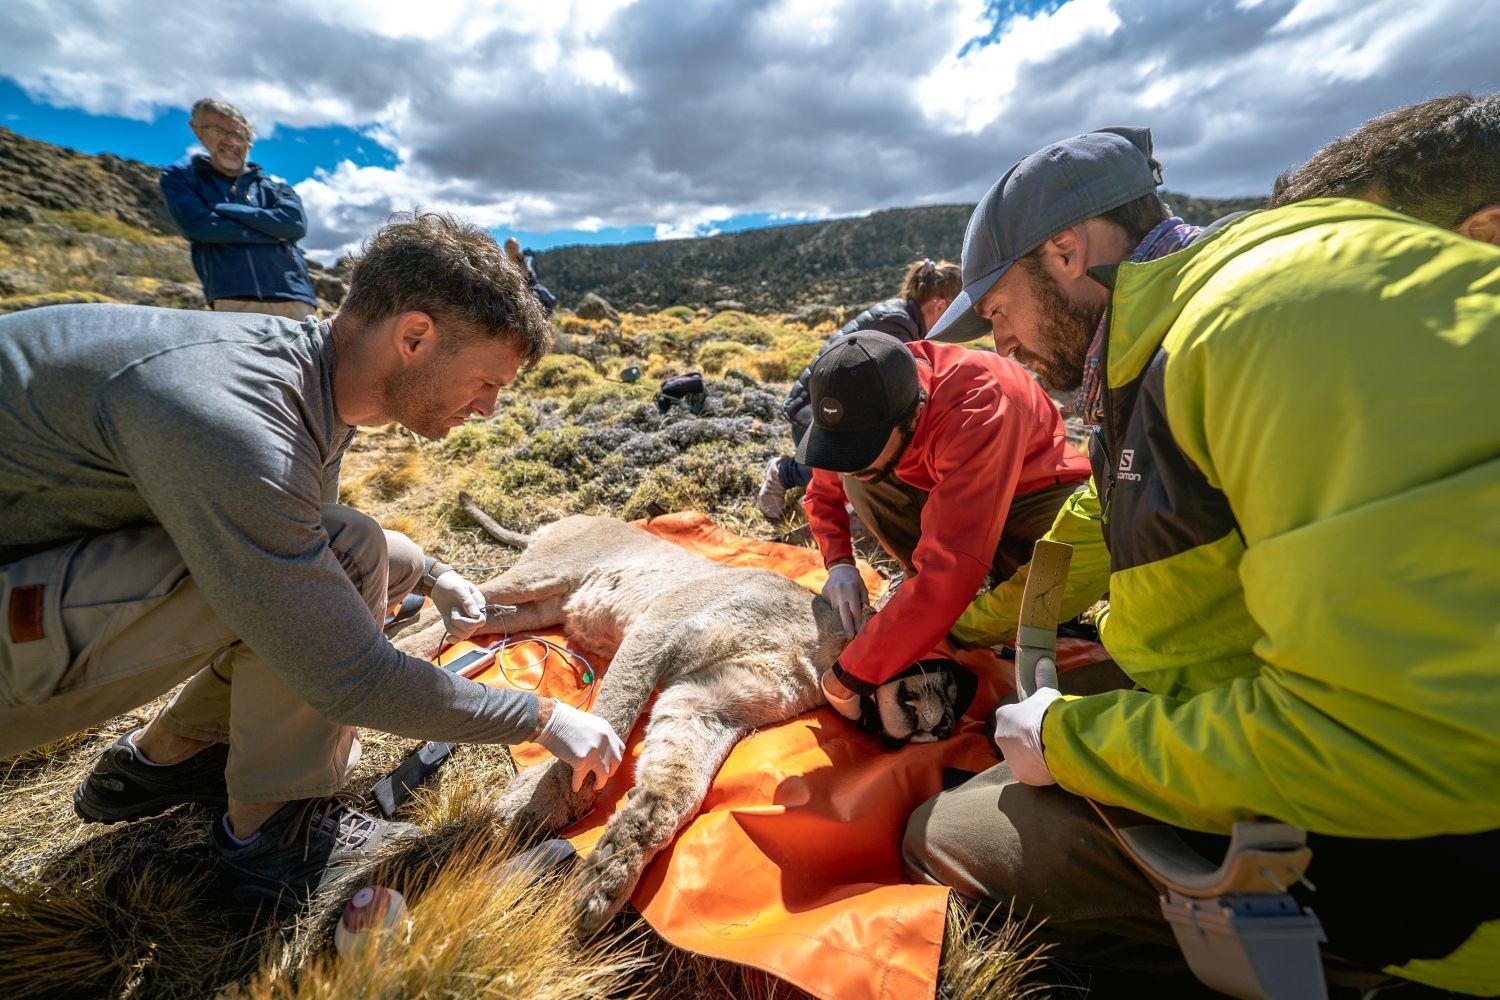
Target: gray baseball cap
pixel 1043 194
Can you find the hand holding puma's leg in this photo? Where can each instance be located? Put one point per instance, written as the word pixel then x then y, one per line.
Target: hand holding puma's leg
pixel 540 800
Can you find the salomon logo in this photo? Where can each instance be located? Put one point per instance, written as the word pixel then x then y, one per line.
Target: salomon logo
pixel 1127 462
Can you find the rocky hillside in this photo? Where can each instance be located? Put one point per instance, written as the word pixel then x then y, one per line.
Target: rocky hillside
pixel 75 227
pixel 845 263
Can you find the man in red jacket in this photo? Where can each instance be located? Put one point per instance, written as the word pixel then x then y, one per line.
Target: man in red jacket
pixel 955 459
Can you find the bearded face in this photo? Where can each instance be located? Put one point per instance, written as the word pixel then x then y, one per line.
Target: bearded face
pixel 1065 329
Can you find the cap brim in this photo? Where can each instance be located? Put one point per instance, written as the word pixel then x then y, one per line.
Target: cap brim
pixel 850 451
pixel 959 322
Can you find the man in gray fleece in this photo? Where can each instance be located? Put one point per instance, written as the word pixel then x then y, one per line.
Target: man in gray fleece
pixel 168 509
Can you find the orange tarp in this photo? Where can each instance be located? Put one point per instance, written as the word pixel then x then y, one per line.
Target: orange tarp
pixel 793 865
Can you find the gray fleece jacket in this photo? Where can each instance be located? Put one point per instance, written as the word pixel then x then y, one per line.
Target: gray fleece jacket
pixel 222 429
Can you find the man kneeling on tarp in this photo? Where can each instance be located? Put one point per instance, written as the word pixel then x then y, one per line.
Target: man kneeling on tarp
pixel 169 481
pixel 1297 480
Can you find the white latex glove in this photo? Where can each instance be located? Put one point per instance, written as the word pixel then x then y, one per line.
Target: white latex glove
pixel 585 741
pixel 845 590
pixel 1018 736
pixel 846 704
pixel 460 603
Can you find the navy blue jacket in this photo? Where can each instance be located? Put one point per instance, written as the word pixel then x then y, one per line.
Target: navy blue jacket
pixel 901 318
pixel 244 231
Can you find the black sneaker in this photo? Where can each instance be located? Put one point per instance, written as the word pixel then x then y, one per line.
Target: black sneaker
pixel 303 846
pixel 123 787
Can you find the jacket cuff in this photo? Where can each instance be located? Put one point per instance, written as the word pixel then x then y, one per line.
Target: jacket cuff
pixel 858 685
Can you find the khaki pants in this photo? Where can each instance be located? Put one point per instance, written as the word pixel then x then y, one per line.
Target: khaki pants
pixel 1045 854
pixel 275 307
pixel 103 625
pixel 892 511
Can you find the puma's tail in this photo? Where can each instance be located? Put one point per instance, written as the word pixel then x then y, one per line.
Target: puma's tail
pixel 503 535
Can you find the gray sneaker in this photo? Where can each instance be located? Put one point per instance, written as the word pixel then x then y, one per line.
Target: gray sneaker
pixel 304 845
pixel 122 787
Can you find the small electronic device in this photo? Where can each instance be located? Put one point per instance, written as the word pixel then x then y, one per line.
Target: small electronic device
pixel 470 663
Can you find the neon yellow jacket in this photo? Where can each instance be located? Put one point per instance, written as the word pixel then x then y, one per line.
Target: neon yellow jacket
pixel 1298 479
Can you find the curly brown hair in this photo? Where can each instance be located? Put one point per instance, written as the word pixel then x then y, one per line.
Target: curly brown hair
pixel 451 270
pixel 1438 161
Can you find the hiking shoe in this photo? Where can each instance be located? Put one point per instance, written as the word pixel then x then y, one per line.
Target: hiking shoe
pixel 122 786
pixel 772 498
pixel 304 845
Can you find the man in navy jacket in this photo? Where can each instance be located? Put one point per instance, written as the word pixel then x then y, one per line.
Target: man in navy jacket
pixel 243 225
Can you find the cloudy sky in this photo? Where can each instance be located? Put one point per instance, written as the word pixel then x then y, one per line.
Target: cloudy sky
pixel 586 121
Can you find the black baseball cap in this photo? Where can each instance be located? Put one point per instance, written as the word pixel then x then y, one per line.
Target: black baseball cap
pixel 862 387
pixel 1041 195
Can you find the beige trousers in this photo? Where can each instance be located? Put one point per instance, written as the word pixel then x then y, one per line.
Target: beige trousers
pixel 274 307
pixel 103 625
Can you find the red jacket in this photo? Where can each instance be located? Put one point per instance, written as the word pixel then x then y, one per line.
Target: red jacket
pixel 987 435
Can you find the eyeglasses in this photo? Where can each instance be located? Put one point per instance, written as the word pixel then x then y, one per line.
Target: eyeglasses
pixel 224 133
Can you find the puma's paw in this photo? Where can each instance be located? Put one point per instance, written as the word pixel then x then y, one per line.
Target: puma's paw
pixel 538 801
pixel 608 881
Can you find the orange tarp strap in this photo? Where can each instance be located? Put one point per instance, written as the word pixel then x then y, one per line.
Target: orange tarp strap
pixel 793 865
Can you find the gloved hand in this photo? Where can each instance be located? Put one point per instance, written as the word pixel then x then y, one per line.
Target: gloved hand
pixel 585 741
pixel 460 603
pixel 844 701
pixel 845 590
pixel 1018 737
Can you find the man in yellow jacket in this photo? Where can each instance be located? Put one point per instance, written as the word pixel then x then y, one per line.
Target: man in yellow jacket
pixel 1297 471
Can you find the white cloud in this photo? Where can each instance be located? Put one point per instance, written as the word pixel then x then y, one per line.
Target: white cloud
pixel 599 113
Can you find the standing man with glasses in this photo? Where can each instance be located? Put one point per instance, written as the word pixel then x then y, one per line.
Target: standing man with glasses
pixel 243 224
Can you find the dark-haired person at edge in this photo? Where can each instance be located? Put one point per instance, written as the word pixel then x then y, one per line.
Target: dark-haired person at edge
pixel 926 289
pixel 1296 476
pixel 1438 161
pixel 170 498
pixel 956 461
pixel 242 224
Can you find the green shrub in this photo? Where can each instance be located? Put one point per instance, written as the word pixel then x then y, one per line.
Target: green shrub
pixel 621 395
pixel 561 371
pixel 683 313
pixel 477 437
pixel 714 358
pixel 103 225
pixel 528 477
pixel 557 447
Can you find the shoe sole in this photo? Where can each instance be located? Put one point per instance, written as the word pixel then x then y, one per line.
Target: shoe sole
pixel 95 812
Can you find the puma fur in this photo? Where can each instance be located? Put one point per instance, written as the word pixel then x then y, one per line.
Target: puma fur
pixel 727 649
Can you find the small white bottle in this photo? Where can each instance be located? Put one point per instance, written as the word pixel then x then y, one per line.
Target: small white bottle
pixel 368 912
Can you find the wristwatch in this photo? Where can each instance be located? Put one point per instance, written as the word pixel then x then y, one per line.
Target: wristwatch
pixel 431 570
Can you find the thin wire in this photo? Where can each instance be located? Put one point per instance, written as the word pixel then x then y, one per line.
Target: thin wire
pixel 585 676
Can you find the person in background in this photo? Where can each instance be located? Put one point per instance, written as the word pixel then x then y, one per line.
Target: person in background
pixel 243 224
pixel 542 293
pixel 926 290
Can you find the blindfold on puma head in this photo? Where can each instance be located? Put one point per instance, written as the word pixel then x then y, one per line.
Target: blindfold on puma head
pixel 922 704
